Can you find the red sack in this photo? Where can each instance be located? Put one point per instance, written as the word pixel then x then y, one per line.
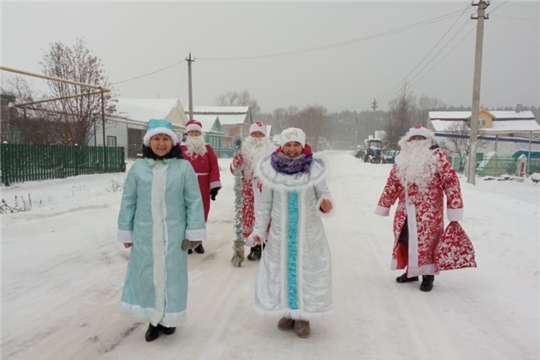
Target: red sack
pixel 454 250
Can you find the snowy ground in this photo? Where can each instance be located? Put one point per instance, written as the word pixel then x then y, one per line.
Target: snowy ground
pixel 62 274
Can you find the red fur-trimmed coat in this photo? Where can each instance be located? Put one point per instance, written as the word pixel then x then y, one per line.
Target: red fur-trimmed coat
pixel 425 214
pixel 251 191
pixel 207 169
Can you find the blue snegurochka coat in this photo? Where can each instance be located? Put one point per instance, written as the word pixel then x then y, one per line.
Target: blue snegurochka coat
pixel 161 206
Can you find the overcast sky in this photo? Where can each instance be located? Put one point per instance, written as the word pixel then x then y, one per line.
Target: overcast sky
pixel 133 39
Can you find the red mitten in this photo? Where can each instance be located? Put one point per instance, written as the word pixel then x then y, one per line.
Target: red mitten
pixel 238 161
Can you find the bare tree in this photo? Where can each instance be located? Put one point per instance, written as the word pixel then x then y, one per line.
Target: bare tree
pixel 32 124
pixel 314 120
pixel 400 116
pixel 427 104
pixel 233 98
pixel 280 119
pixel 458 141
pixel 78 64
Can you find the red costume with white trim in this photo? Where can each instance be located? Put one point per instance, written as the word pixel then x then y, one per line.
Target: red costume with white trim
pixel 207 169
pixel 424 211
pixel 251 187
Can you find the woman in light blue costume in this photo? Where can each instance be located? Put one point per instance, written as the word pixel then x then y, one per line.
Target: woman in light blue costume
pixel 161 217
pixel 294 281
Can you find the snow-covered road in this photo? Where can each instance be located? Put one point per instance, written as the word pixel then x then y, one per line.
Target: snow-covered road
pixel 62 274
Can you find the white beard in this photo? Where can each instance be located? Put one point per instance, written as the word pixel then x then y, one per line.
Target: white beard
pixel 252 150
pixel 195 146
pixel 417 164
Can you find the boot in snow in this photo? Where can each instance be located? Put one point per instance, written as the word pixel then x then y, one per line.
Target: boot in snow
pixel 404 279
pixel 199 249
pixel 166 330
pixel 427 282
pixel 301 328
pixel 152 333
pixel 254 253
pixel 285 324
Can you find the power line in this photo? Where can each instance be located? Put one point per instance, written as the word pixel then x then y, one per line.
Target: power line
pixel 497 7
pixel 448 43
pixel 515 17
pixel 438 42
pixel 395 87
pixel 150 73
pixel 343 43
pixel 521 4
pixel 448 53
pixel 429 62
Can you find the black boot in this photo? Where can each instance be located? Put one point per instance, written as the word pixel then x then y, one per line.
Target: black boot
pixel 254 253
pixel 427 282
pixel 190 252
pixel 166 330
pixel 404 279
pixel 152 333
pixel 199 249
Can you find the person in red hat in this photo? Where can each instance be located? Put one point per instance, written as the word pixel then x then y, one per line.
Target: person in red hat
pixel 253 149
pixel 420 178
pixel 204 162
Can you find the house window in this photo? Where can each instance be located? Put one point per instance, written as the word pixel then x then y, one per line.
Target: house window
pixel 481 122
pixel 111 141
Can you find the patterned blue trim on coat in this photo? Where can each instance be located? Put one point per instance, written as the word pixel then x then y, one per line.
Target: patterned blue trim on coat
pixel 292 290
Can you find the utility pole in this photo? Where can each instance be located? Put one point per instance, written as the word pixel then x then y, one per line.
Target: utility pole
pixel 104 137
pixel 189 61
pixel 482 5
pixel 356 136
pixel 374 105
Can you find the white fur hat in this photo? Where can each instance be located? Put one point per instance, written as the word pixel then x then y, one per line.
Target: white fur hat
pixel 258 126
pixel 193 125
pixel 293 134
pixel 418 130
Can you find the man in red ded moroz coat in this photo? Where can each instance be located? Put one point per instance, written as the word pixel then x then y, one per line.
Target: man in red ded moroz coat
pixel 254 148
pixel 204 162
pixel 420 178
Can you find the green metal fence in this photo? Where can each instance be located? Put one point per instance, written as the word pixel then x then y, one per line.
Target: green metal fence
pixel 39 162
pixel 494 165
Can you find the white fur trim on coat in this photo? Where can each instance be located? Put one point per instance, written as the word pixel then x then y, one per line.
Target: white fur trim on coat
pixel 325 215
pixel 294 314
pixel 250 240
pixel 158 239
pixel 196 235
pixel 382 211
pixel 125 236
pixel 455 214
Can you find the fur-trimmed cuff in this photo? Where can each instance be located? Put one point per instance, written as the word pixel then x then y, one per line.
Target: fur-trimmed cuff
pixel 125 236
pixel 382 211
pixel 454 214
pixel 250 241
pixel 322 214
pixel 215 184
pixel 196 235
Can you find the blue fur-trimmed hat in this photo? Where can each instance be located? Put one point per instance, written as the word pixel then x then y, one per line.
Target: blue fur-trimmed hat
pixel 159 126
